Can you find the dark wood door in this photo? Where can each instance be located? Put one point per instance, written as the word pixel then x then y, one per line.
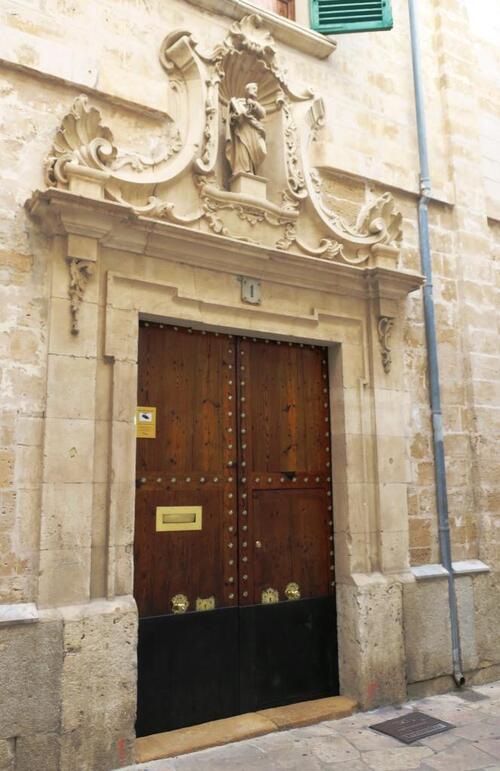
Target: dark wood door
pixel 189 377
pixel 233 543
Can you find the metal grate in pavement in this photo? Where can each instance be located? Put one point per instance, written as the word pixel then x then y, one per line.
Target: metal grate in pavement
pixel 412 726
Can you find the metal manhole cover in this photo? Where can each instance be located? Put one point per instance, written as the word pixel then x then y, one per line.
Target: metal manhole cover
pixel 412 726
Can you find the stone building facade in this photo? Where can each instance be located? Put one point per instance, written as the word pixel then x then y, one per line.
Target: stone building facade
pixel 116 205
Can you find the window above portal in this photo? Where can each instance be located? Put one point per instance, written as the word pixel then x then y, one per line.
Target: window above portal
pixel 288 20
pixel 285 8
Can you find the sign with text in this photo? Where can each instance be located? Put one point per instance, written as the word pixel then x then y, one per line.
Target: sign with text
pixel 145 421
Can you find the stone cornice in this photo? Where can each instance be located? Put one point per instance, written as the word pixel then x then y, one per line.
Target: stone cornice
pixel 117 226
pixel 288 32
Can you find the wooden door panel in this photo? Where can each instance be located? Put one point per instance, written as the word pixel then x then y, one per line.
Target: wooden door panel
pixel 189 377
pixel 287 407
pixel 185 375
pixel 189 562
pixel 286 531
pixel 290 542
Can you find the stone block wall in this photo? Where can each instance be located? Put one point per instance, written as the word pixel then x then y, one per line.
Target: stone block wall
pixel 55 673
pixel 68 689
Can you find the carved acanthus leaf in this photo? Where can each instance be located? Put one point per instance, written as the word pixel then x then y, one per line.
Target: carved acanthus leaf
pixel 80 273
pixel 377 222
pixel 288 238
pixel 327 249
pixel 80 139
pixel 170 145
pixel 295 175
pixel 159 209
pixel 317 118
pixel 384 328
pixel 248 209
pixel 380 218
pixel 210 133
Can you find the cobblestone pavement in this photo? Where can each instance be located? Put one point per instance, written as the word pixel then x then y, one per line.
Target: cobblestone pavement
pixel 349 745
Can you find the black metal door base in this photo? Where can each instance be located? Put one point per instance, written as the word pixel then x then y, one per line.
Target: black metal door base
pixel 197 667
pixel 288 653
pixel 187 670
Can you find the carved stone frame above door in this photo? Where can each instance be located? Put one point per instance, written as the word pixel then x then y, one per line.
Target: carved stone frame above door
pixel 164 271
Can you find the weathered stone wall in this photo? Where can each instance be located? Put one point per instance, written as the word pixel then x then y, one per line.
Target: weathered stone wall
pixel 68 679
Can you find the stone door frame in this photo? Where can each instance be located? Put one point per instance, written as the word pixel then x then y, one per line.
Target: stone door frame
pixel 122 268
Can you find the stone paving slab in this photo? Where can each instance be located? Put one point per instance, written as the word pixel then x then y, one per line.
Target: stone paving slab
pixel 235 729
pixel 349 744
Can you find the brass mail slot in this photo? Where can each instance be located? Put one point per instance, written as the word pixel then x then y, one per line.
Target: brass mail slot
pixel 178 518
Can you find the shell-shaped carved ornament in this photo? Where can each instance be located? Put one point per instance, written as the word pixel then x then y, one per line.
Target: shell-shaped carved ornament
pixel 80 139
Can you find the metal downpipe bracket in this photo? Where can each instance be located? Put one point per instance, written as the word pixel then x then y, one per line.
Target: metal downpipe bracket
pixel 433 364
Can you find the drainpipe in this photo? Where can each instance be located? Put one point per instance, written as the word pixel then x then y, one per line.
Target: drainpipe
pixel 433 366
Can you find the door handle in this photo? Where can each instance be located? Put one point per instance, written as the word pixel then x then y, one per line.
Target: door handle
pixel 258 544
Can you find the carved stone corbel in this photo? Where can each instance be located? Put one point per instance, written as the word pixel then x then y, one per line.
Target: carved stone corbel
pixel 385 325
pixel 80 272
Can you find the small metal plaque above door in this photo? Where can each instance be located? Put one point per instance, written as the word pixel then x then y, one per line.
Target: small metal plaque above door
pixel 412 726
pixel 251 291
pixel 178 518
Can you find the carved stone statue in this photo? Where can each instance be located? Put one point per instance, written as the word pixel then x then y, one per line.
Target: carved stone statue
pixel 245 134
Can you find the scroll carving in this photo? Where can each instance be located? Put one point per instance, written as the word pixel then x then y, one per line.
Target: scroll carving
pixel 384 328
pixel 83 140
pixel 209 150
pixel 294 172
pixel 80 273
pixel 379 218
pixel 327 249
pixel 170 145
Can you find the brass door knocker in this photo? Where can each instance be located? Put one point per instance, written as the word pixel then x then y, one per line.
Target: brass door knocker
pixel 179 603
pixel 292 591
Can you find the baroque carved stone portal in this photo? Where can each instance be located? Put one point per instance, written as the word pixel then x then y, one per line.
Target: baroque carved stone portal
pixel 230 104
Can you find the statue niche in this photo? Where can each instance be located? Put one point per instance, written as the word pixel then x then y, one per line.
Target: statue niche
pixel 245 134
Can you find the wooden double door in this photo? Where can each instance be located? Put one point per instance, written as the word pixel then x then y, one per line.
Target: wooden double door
pixel 234 570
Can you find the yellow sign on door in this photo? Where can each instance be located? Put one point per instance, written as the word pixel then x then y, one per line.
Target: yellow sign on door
pixel 145 421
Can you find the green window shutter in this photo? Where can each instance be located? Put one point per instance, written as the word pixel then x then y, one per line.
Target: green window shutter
pixel 338 16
